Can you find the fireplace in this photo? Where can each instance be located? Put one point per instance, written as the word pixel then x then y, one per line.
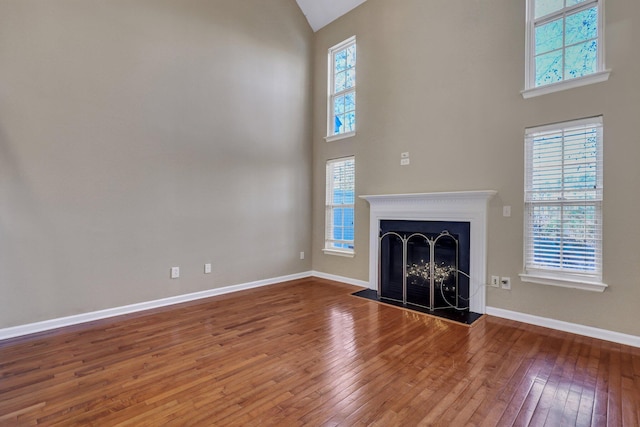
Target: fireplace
pixel 424 263
pixel 450 227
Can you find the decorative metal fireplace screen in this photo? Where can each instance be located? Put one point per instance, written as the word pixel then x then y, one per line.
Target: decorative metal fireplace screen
pixel 424 263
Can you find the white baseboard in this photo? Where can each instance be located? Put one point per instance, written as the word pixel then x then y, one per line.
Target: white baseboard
pixel 574 328
pixel 60 322
pixel 47 325
pixel 347 280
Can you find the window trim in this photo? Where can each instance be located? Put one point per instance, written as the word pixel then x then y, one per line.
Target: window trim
pixel 576 280
pixel 330 136
pixel 582 284
pixel 329 208
pixel 602 73
pixel 339 136
pixel 336 252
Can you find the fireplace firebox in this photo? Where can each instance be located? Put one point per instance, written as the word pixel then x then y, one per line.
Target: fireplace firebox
pixel 424 263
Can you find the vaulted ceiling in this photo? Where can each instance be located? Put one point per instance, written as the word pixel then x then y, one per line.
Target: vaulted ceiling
pixel 321 12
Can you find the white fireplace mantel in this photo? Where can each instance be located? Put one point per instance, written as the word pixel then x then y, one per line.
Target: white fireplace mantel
pixel 458 206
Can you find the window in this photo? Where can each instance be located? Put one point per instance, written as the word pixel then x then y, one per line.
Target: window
pixel 341 117
pixel 564 45
pixel 340 206
pixel 563 204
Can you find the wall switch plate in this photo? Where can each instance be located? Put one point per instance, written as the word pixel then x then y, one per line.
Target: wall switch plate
pixel 207 268
pixel 495 281
pixel 506 211
pixel 404 162
pixel 301 255
pixel 505 282
pixel 175 272
pixel 404 155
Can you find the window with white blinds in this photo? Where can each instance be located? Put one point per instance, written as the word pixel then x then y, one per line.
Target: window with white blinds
pixel 563 203
pixel 340 202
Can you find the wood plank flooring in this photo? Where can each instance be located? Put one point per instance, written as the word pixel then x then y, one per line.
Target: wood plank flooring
pixel 308 353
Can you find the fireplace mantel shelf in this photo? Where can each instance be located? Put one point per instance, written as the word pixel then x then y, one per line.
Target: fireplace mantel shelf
pixel 465 206
pixel 434 197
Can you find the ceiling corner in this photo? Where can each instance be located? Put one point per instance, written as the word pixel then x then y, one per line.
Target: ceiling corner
pixel 319 13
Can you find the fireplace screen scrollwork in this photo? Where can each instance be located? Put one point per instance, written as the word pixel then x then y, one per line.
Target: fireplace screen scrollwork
pixel 421 269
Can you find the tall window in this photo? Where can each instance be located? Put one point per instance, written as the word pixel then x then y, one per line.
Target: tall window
pixel 340 206
pixel 341 120
pixel 564 43
pixel 563 204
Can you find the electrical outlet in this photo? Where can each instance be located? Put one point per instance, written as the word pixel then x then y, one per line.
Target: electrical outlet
pixel 505 282
pixel 506 211
pixel 175 272
pixel 301 255
pixel 495 281
pixel 404 162
pixel 207 268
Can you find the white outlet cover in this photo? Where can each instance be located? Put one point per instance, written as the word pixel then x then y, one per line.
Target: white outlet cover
pixel 175 272
pixel 207 268
pixel 495 281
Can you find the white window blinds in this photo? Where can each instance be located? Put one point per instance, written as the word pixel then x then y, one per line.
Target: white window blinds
pixel 340 202
pixel 563 200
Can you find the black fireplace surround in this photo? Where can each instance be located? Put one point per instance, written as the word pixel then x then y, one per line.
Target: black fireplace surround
pixel 411 254
pixel 438 248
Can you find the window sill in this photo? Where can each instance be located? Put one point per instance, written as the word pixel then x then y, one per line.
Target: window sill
pixel 339 136
pixel 576 283
pixel 336 252
pixel 601 76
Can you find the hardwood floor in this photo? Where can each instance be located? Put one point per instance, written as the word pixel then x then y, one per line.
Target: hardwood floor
pixel 308 353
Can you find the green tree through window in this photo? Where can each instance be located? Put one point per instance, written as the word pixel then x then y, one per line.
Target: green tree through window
pixel 564 40
pixel 342 89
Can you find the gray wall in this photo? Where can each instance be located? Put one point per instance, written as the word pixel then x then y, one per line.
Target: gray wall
pixel 136 135
pixel 441 79
pixel 140 134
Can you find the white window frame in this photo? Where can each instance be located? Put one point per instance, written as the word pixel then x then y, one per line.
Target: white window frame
pixel 601 74
pixel 332 94
pixel 330 206
pixel 535 272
